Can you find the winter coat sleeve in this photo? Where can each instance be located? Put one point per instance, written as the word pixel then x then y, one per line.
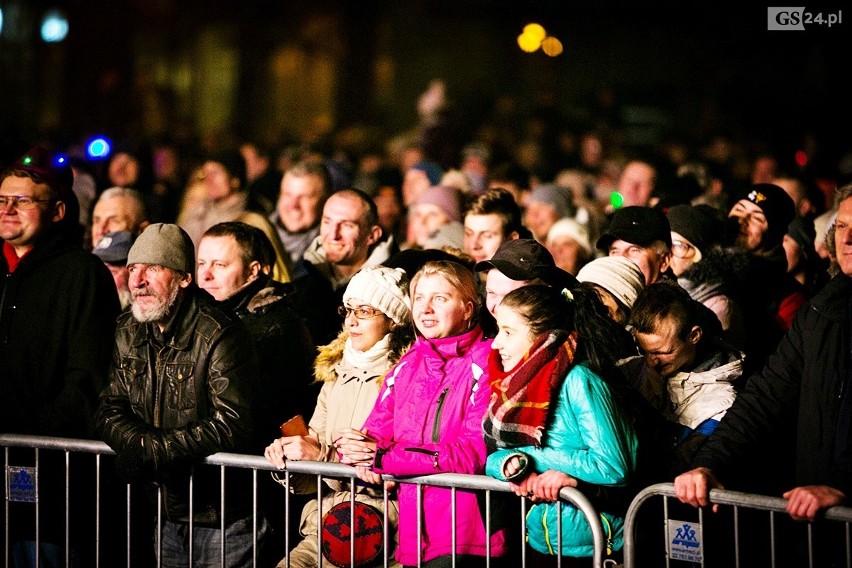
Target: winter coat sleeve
pixel 318 423
pixel 770 398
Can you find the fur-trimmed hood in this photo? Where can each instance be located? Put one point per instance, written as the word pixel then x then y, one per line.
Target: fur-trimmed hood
pixel 329 356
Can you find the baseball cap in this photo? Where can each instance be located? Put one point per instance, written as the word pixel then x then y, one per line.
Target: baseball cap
pixel 114 247
pixel 527 259
pixel 636 225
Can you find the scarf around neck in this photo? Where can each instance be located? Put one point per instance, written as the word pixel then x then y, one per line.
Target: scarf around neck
pixel 376 355
pixel 521 398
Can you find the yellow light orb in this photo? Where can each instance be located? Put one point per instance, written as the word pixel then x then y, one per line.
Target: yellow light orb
pixel 551 46
pixel 536 31
pixel 528 43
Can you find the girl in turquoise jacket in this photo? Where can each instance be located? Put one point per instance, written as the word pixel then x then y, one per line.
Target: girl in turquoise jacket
pixel 558 412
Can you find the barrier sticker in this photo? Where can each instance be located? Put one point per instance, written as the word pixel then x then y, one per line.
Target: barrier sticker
pixel 21 484
pixel 684 542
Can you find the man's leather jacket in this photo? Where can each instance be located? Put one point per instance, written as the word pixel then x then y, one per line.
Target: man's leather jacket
pixel 178 396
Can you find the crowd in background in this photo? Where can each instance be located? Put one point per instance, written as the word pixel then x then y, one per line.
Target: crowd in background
pixel 555 310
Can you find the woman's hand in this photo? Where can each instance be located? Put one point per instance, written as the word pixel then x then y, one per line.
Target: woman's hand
pixel 367 475
pixel 355 447
pixel 545 487
pixel 522 488
pixel 292 448
pixel 513 465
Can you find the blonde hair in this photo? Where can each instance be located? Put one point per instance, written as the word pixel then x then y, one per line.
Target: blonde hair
pixel 459 277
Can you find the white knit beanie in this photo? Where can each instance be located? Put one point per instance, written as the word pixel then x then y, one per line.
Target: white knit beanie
pixel 568 227
pixel 615 274
pixel 381 288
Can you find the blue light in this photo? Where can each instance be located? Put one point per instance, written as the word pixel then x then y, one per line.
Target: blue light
pixel 1 20
pixel 54 27
pixel 60 160
pixel 98 148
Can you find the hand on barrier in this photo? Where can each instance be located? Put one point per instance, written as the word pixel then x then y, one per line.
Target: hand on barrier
pixel 133 463
pixel 367 475
pixel 292 448
pixel 546 486
pixel 693 487
pixel 804 503
pixel 355 447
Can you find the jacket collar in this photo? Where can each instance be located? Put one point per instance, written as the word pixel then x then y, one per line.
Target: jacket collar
pixel 832 300
pixel 453 346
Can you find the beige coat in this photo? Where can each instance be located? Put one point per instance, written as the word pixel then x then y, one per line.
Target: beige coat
pixel 345 400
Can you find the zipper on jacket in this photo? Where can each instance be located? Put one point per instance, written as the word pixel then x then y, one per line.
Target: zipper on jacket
pixel 432 453
pixel 436 427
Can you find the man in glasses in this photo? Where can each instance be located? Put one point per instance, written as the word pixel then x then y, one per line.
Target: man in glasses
pixel 58 306
pixel 704 268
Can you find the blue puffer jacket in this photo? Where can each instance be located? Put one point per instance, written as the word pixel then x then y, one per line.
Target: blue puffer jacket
pixel 588 439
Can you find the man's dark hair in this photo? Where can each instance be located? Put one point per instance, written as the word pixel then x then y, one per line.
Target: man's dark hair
pixel 663 300
pixel 372 216
pixel 511 172
pixel 500 202
pixel 253 243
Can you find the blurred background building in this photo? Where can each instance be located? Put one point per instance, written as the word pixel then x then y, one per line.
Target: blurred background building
pixel 302 70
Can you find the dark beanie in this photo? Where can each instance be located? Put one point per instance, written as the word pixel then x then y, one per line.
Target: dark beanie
pixel 777 207
pixel 803 232
pixel 700 228
pixel 233 162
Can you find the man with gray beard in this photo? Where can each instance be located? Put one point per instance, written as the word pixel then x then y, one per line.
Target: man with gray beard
pixel 180 390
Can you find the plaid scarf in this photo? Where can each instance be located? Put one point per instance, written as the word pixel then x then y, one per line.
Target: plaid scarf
pixel 520 399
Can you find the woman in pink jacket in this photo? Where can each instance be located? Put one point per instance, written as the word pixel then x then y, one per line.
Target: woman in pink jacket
pixel 428 419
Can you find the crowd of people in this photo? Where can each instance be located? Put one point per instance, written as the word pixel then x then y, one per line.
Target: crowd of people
pixel 604 329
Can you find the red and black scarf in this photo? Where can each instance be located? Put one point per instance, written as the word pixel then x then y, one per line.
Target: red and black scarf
pixel 521 398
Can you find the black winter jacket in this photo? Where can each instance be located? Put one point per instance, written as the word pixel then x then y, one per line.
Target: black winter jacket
pixel 802 386
pixel 182 396
pixel 285 351
pixel 57 321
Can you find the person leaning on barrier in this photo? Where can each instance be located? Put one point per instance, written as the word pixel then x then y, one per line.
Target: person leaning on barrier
pixel 351 368
pixel 805 382
pixel 180 390
pixel 58 306
pixel 428 419
pixel 561 413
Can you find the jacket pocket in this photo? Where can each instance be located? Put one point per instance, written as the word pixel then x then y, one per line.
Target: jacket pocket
pixel 134 375
pixel 180 385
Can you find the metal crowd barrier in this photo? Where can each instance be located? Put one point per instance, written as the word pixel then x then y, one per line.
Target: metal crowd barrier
pixel 687 543
pixel 22 484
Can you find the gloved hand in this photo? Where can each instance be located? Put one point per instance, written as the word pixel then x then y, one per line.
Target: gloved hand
pixel 132 463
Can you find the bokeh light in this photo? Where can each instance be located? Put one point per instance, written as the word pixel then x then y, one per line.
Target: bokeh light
pixel 528 43
pixel 551 46
pixel 616 200
pixel 535 31
pixel 98 148
pixel 54 27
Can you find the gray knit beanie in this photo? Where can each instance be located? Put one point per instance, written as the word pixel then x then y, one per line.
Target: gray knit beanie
pixel 381 288
pixel 164 245
pixel 615 274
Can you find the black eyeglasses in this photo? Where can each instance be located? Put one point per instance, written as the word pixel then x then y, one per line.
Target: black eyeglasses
pixel 21 202
pixel 361 312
